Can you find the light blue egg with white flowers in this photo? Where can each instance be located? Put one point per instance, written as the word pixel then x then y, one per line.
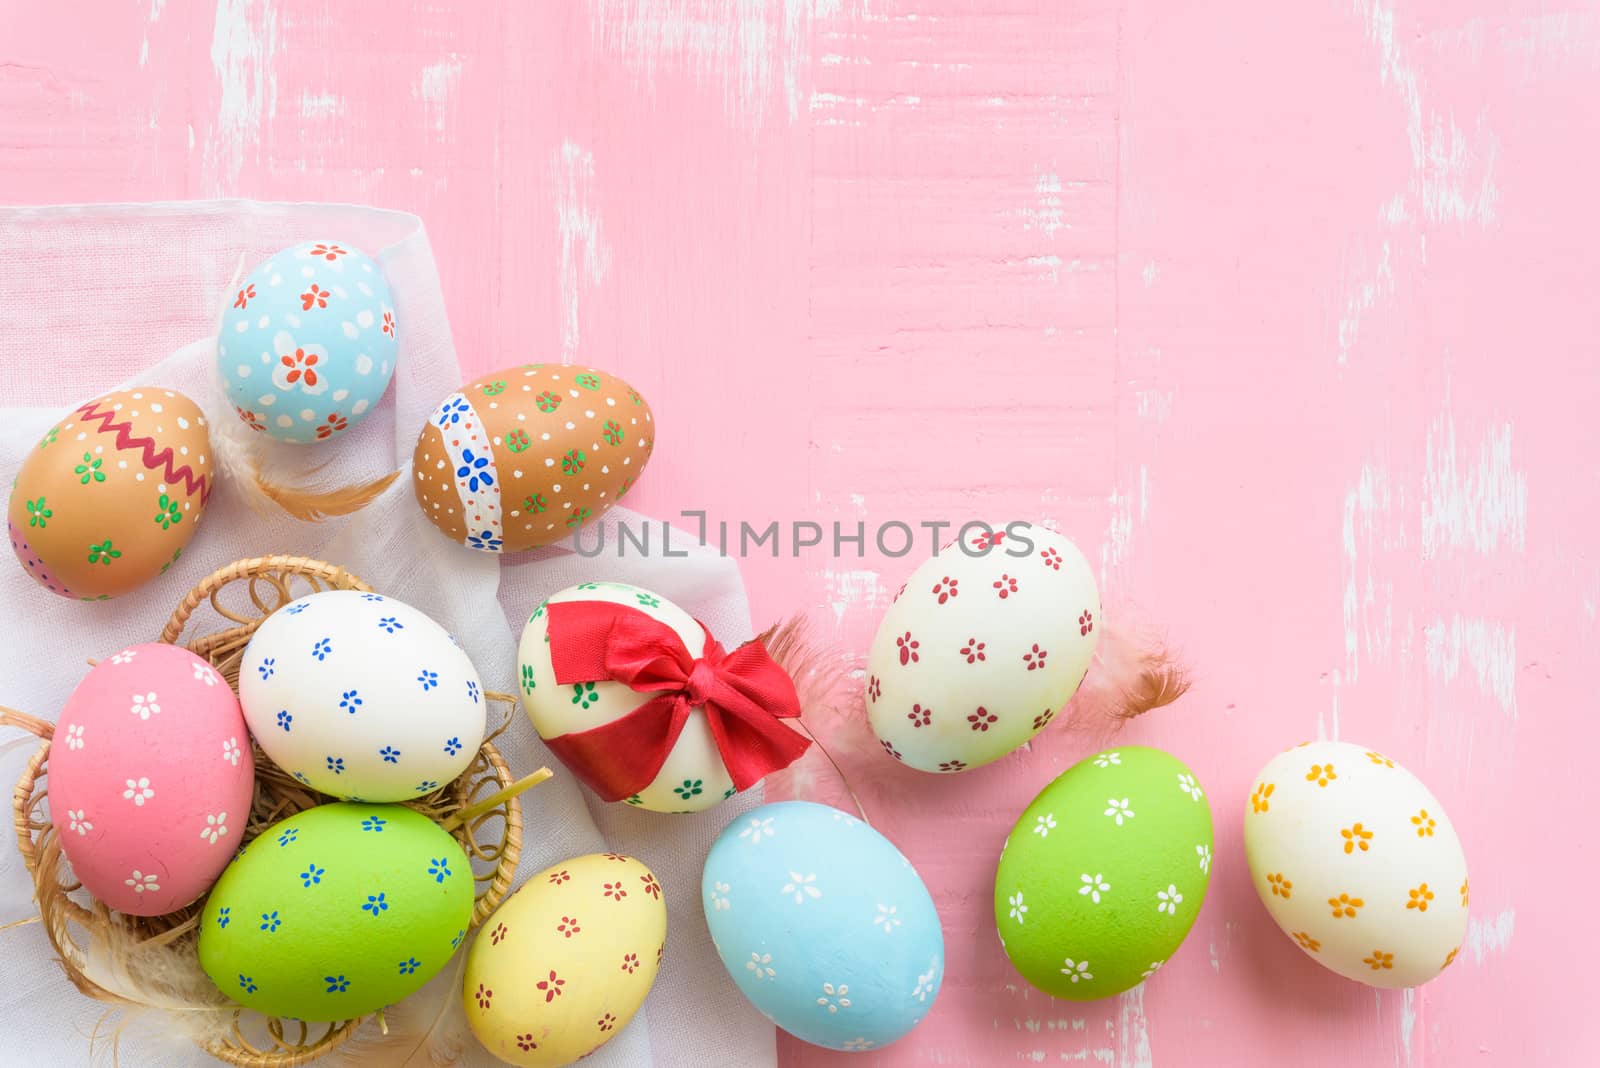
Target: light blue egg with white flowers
pixel 824 925
pixel 308 342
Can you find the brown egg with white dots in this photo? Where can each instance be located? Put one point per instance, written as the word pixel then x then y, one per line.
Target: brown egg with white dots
pixel 524 456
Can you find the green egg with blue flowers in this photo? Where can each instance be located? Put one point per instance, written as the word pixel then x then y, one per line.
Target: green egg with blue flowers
pixel 336 912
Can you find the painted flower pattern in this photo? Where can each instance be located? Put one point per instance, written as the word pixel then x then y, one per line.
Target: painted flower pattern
pixel 908 647
pixel 138 791
pixel 1035 657
pixel 315 297
pixel 1093 886
pixel 77 823
pixel 1086 623
pixel 142 882
pixel 1280 886
pixel 1356 837
pixel 946 588
pixel 1321 774
pixel 246 295
pixel 144 705
pixel 834 998
pixel 973 650
pixel 887 918
pixel 1168 900
pixel 334 424
pixel 328 252
pixel 1043 825
pixel 1307 943
pixel 216 827
pixel 1260 801
pixel 299 367
pixel 1076 970
pixel 474 470
pixel 230 751
pixel 755 829
pixel 919 716
pixel 1345 907
pixel 551 987
pixel 1005 586
pixel 982 719
pixel 1189 786
pixel 1379 960
pixel 1019 910
pixel 759 966
pixel 1419 898
pixel 75 736
pixel 1204 853
pixel 1119 810
pixel 801 887
pixel 1424 824
pixel 1106 760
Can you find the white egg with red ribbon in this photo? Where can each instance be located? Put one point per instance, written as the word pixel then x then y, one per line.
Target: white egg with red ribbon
pixel 646 707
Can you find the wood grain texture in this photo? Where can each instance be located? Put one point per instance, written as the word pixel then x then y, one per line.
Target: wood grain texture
pixel 1287 317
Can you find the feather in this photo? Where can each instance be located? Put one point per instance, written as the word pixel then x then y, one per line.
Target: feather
pixel 1134 672
pixel 426 1030
pixel 245 459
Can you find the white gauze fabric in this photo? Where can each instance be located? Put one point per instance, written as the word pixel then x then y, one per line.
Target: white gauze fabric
pixel 94 298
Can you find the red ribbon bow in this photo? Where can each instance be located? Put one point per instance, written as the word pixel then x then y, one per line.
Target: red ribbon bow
pixel 744 693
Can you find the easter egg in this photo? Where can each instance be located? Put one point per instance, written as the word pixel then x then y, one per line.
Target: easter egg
pixel 308 342
pixel 984 645
pixel 361 696
pixel 112 493
pixel 692 775
pixel 823 924
pixel 1357 862
pixel 150 778
pixel 525 456
pixel 337 911
pixel 1104 873
pixel 565 962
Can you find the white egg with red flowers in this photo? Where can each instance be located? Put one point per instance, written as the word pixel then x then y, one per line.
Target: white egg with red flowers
pixel 985 643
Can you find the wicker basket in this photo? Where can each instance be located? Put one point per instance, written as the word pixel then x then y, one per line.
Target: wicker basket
pixel 479 808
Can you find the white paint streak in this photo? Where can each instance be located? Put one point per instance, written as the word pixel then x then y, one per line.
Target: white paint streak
pixel 151 19
pixel 860 589
pixel 585 256
pixel 1488 648
pixel 1478 503
pixel 243 41
pixel 320 105
pixel 1368 603
pixel 1133 1030
pixel 1046 217
pixel 436 88
pixel 753 50
pixel 1451 179
pixel 1408 1019
pixel 1379 282
pixel 1492 935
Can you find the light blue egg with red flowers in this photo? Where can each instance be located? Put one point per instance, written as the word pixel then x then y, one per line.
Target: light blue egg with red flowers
pixel 823 925
pixel 308 342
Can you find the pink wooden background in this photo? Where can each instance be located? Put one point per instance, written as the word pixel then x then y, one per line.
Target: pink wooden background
pixel 1288 317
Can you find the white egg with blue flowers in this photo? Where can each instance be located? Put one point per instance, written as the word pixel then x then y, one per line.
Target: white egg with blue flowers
pixel 824 925
pixel 361 696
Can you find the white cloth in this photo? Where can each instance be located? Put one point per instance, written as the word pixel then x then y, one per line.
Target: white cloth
pixel 92 297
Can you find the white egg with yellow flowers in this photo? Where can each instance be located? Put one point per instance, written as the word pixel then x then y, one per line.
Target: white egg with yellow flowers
pixel 1357 862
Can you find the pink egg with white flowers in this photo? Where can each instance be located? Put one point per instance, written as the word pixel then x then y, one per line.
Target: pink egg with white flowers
pixel 151 778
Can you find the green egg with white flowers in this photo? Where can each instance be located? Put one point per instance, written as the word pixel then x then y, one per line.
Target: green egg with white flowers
pixel 336 912
pixel 1104 874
